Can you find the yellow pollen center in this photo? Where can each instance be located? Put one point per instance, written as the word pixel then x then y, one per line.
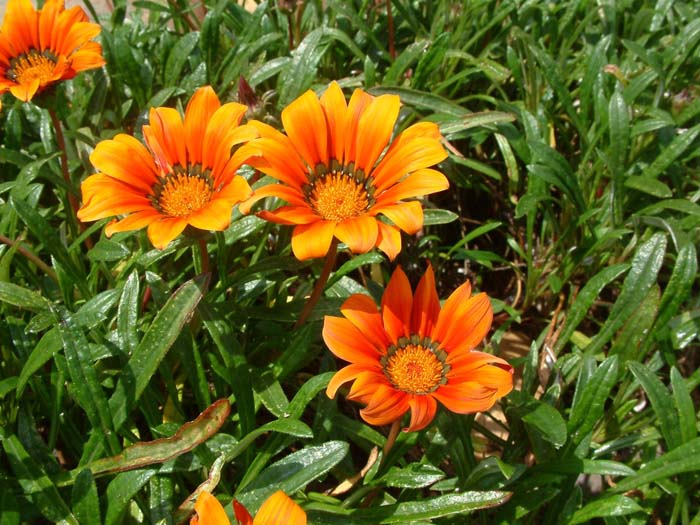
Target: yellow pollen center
pixel 338 196
pixel 27 68
pixel 414 369
pixel 182 195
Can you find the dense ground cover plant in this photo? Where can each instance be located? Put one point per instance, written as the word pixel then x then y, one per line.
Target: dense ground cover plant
pixel 134 379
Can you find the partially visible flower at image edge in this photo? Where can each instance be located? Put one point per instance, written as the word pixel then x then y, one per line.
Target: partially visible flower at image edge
pixel 339 170
pixel 41 47
pixel 186 175
pixel 278 509
pixel 412 353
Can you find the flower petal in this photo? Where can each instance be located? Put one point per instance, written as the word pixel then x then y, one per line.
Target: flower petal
pixel 356 107
pixel 243 517
pixel 426 305
pixel 419 183
pixel 466 398
pixel 361 311
pixel 498 378
pixel 386 406
pixel 359 233
pixel 165 230
pixel 215 216
pixel 305 124
pixel 126 159
pixel 312 240
pixel 134 221
pixel 469 325
pixel 200 109
pixel 406 215
pixel 389 240
pixel 279 509
pixel 397 303
pixel 456 298
pixel 281 191
pixel 209 510
pixel 405 157
pixel 167 134
pixel 289 215
pixel 335 108
pixel 348 343
pixel 374 130
pixel 423 409
pixel 342 376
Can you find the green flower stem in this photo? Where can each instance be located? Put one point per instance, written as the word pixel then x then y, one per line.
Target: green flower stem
pixel 30 256
pixel 320 284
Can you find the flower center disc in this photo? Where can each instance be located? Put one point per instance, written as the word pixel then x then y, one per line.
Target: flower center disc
pixel 27 68
pixel 414 369
pixel 338 196
pixel 181 195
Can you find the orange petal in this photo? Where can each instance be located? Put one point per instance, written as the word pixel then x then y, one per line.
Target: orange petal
pixel 374 130
pixel 419 183
pixel 215 216
pixel 469 325
pixel 359 233
pixel 89 57
pixel 135 221
pixel 366 384
pixel 167 129
pixel 199 111
pixel 305 124
pixel 498 378
pixel 358 103
pixel 281 191
pixel 466 398
pixel 165 230
pixel 290 215
pixel 342 376
pixel 456 298
pixel 312 240
pixel 221 124
pixel 279 159
pixel 426 305
pixel 21 25
pixel 235 191
pixel 389 240
pixel 47 19
pixel 468 360
pixel 348 343
pixel 25 92
pixel 279 509
pixel 126 159
pixel 386 406
pixel 104 196
pixel 78 34
pixel 335 108
pixel 423 409
pixel 397 302
pixel 406 215
pixel 406 158
pixel 361 311
pixel 209 510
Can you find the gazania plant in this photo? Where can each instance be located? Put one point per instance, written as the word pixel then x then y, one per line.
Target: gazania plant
pixel 278 509
pixel 41 47
pixel 411 353
pixel 184 175
pixel 340 169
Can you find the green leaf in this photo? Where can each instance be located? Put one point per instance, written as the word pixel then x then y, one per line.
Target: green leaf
pixel 22 297
pixel 156 342
pixel 127 314
pixel 356 262
pixel 290 427
pixel 36 485
pixel 415 476
pixel 300 73
pixel 646 264
pixel 402 62
pixel 178 56
pixel 423 100
pixel 433 216
pixel 48 345
pixel 474 120
pixel 674 150
pixel 84 499
pixel 120 491
pixel 649 186
pixel 293 472
pixel 108 250
pixel 617 505
pixel 548 422
pixel 584 301
pixel 685 458
pixel 684 407
pixel 86 385
pixel 590 406
pixel 661 402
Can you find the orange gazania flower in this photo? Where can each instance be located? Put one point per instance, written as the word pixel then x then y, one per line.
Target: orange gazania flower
pixel 39 48
pixel 339 170
pixel 186 176
pixel 278 509
pixel 412 353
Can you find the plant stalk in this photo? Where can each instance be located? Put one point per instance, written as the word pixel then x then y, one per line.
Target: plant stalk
pixel 320 284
